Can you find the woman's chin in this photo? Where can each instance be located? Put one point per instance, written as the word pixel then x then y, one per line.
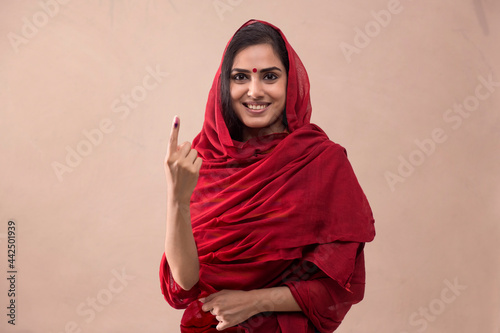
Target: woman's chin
pixel 256 126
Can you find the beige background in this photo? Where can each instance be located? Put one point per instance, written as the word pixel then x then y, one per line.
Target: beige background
pixel 438 224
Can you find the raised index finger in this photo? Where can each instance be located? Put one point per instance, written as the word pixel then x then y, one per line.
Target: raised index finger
pixel 174 134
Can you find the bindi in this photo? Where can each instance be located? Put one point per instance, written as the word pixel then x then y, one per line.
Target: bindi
pixel 255 70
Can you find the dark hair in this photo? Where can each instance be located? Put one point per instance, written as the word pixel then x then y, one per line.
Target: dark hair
pixel 253 34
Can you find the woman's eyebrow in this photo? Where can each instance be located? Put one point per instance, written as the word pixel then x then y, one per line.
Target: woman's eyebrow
pixel 241 70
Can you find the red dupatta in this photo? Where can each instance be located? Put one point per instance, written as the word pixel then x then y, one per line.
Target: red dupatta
pixel 263 205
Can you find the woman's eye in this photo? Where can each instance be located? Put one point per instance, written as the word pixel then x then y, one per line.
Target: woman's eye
pixel 270 76
pixel 239 77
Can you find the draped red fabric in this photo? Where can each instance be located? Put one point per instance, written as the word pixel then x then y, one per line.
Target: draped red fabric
pixel 281 209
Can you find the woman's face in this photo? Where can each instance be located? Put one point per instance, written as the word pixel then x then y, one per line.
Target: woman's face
pixel 258 90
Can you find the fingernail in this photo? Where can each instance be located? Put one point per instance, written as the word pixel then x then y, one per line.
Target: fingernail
pixel 176 122
pixel 202 300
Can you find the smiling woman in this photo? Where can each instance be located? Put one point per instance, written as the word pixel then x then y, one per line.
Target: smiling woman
pixel 255 68
pixel 260 235
pixel 258 96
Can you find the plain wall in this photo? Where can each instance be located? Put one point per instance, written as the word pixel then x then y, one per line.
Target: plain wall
pixel 392 98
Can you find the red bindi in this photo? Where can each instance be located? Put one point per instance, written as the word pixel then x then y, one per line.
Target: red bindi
pixel 255 70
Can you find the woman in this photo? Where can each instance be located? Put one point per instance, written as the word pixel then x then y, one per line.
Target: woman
pixel 266 222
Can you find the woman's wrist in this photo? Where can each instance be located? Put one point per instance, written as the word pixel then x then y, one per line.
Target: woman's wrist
pixel 259 299
pixel 175 198
pixel 178 205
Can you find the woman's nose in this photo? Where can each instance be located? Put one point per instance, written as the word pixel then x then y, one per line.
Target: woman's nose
pixel 255 88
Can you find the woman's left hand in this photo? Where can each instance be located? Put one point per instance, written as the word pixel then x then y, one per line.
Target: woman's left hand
pixel 230 307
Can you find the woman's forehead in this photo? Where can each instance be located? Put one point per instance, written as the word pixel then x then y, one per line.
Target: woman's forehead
pixel 255 56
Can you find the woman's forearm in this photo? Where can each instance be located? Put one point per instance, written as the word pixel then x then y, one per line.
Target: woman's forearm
pixel 180 246
pixel 231 307
pixel 277 299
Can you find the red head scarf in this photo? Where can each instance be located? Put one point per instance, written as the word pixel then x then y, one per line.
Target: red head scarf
pixel 214 140
pixel 262 205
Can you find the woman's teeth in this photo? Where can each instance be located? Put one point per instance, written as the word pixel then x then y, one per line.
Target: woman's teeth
pixel 256 107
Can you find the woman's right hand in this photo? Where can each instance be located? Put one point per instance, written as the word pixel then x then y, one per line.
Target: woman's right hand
pixel 182 167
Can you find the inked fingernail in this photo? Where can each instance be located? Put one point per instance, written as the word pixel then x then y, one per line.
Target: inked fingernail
pixel 176 122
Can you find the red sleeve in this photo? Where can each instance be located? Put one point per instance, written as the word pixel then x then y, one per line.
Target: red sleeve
pixel 177 297
pixel 324 301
